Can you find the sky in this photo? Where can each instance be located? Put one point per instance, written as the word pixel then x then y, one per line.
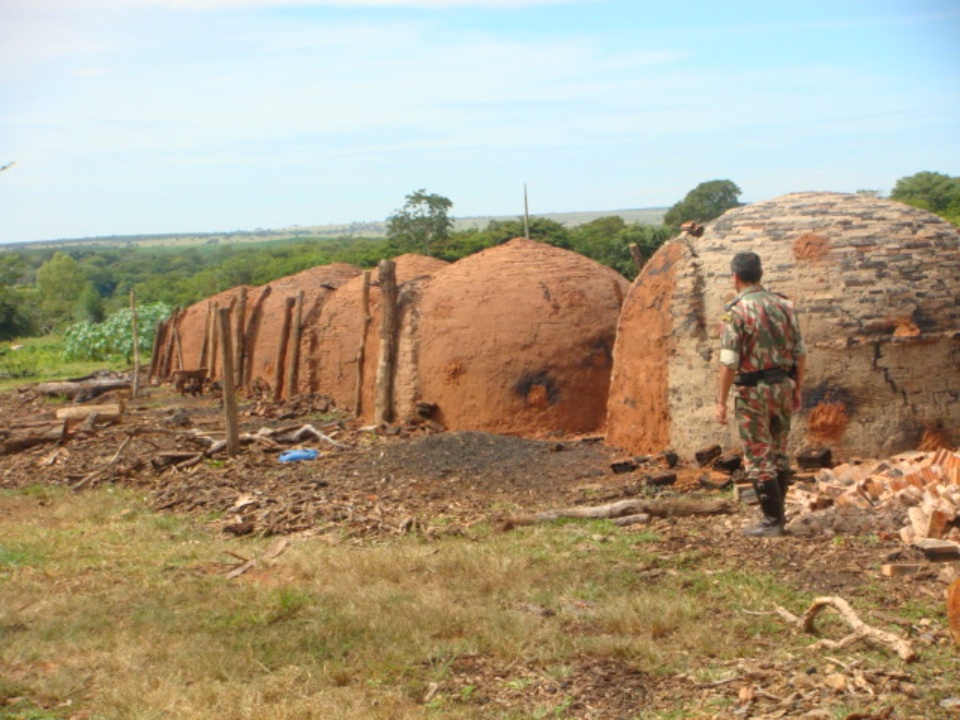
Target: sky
pixel 127 117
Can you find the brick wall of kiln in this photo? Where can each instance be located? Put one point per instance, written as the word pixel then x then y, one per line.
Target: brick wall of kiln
pixel 876 285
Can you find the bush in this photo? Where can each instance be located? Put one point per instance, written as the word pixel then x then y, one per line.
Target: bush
pixel 113 338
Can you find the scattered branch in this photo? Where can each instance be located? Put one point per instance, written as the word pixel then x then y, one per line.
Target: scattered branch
pixel 861 631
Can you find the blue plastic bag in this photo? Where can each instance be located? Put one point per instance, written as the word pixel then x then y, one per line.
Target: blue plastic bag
pixel 298 455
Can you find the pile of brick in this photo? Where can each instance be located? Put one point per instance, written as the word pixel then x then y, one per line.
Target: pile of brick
pixel 922 488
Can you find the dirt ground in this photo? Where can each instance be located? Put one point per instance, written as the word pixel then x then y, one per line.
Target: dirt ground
pixel 369 484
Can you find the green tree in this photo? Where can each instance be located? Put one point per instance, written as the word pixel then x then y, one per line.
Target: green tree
pixel 541 229
pixel 421 224
pixel 64 291
pixel 706 202
pixel 14 318
pixel 608 239
pixel 937 192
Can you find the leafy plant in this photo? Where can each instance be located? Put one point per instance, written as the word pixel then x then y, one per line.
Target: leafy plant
pixel 113 337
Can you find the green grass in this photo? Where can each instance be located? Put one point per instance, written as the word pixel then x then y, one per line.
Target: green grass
pixel 41 359
pixel 108 610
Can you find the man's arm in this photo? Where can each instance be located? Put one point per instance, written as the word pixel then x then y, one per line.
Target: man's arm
pixel 723 390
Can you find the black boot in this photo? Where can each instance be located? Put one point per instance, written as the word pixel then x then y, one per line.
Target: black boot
pixel 771 504
pixel 783 481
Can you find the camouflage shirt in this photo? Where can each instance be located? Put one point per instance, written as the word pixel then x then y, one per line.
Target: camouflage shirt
pixel 760 331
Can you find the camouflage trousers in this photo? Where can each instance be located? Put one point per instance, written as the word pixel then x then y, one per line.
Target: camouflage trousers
pixel 763 422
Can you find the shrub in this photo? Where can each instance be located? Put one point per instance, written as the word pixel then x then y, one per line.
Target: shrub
pixel 113 338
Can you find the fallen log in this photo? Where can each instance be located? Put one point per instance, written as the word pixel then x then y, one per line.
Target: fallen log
pixel 111 413
pixel 82 389
pixel 861 631
pixel 12 441
pixel 624 508
pixel 166 459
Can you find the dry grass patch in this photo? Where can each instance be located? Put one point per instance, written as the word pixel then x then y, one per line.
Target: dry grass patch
pixel 108 610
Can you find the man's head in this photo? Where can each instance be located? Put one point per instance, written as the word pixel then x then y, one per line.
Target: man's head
pixel 746 266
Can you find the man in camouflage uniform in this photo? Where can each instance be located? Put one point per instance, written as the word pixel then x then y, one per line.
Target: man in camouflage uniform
pixel 762 356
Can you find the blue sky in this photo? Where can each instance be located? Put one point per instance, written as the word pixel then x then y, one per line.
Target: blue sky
pixel 156 116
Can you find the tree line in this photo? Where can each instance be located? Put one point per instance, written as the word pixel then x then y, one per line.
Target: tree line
pixel 44 290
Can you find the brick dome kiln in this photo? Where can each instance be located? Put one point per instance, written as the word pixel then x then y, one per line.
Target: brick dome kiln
pixel 331 352
pixel 266 307
pixel 877 287
pixel 515 339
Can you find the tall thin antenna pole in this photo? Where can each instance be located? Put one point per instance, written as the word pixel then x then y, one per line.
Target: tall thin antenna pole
pixel 526 214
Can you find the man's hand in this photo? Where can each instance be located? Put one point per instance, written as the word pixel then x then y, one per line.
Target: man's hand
pixel 721 413
pixel 797 398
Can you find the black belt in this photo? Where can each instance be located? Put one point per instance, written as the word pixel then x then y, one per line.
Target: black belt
pixel 771 376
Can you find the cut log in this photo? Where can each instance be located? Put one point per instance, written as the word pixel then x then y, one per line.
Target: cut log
pixel 729 462
pixel 707 455
pixel 625 465
pixel 16 440
pixel 661 478
pixel 624 508
pixel 87 389
pixel 110 413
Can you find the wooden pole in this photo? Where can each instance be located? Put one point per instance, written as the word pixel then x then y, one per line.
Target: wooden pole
pixel 282 350
pixel 156 354
pixel 214 342
pixel 169 343
pixel 229 390
pixel 293 353
pixel 136 343
pixel 205 346
pixel 240 349
pixel 362 347
pixel 526 214
pixel 176 342
pixel 383 407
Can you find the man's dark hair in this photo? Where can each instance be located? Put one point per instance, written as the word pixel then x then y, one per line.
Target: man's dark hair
pixel 746 266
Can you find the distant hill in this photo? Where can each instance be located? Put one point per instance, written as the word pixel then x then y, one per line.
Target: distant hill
pixel 648 216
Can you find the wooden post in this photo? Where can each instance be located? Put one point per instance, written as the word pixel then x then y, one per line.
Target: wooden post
pixel 156 354
pixel 176 342
pixel 526 214
pixel 362 348
pixel 240 350
pixel 383 407
pixel 282 350
pixel 229 390
pixel 136 343
pixel 169 342
pixel 205 346
pixel 214 341
pixel 293 353
pixel 637 255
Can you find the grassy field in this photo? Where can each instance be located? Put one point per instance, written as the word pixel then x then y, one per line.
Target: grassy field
pixel 111 611
pixel 30 360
